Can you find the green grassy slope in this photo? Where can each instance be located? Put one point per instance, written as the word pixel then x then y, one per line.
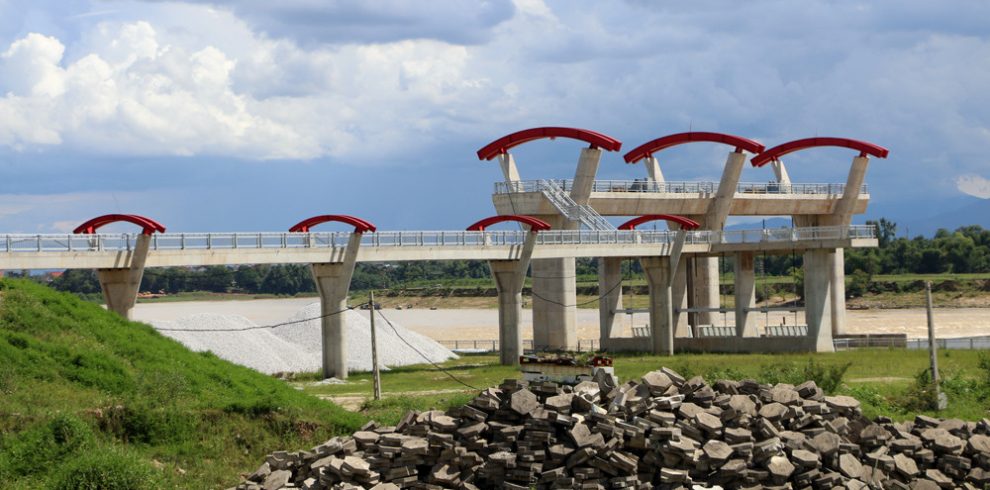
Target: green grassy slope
pixel 86 396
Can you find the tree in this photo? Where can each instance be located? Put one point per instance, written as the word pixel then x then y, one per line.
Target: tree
pixel 248 278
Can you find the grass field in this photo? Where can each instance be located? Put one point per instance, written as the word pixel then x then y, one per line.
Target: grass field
pixel 88 399
pixel 881 378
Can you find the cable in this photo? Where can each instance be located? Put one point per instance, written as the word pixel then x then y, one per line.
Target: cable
pixel 404 341
pixel 599 298
pixel 258 327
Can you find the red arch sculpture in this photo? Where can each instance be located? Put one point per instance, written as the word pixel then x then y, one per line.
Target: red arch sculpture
pixel 502 145
pixel 534 224
pixel 864 148
pixel 686 223
pixel 651 147
pixel 360 225
pixel 148 225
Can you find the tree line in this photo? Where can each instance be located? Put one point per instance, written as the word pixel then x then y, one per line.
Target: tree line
pixel 965 250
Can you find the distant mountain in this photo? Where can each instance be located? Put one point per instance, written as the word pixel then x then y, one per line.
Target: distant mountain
pixel 974 211
pixel 775 222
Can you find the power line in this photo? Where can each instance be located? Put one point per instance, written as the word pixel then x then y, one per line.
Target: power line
pixel 599 298
pixel 259 327
pixel 404 341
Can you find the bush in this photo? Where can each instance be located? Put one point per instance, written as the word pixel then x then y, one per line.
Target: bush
pixel 105 469
pixel 828 378
pixel 35 449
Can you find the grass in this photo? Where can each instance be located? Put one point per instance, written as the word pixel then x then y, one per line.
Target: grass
pixel 82 388
pixel 881 378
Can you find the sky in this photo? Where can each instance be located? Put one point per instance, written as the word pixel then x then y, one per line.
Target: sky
pixel 251 115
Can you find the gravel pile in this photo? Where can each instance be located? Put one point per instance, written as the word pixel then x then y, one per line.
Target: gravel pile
pixel 660 432
pixel 297 347
pixel 392 351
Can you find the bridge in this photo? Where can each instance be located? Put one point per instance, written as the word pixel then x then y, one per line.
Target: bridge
pixel 559 220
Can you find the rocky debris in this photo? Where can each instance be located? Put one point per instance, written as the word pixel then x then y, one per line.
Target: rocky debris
pixel 664 432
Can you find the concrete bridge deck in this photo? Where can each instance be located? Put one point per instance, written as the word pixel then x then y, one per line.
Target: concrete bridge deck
pixel 106 251
pixel 639 197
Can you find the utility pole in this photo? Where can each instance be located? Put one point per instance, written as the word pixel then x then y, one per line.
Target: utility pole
pixel 932 348
pixel 374 353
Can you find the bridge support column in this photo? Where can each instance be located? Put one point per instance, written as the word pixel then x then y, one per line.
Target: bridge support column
pixel 704 288
pixel 745 293
pixel 610 291
pixel 333 281
pixel 510 276
pixel 817 296
pixel 838 294
pixel 842 216
pixel 120 286
pixel 679 296
pixel 659 276
pixel 554 304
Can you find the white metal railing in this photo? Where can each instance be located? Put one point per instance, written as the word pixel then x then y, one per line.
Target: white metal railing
pixel 642 185
pixel 573 211
pixel 226 241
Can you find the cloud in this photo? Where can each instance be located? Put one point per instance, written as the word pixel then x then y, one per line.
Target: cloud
pixel 383 21
pixel 974 185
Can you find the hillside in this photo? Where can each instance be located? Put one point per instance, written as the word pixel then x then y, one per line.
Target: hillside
pixel 91 399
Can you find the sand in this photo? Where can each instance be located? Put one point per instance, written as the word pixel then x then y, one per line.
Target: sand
pixel 481 324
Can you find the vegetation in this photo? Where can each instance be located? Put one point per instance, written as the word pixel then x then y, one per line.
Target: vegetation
pixel 89 400
pixel 886 381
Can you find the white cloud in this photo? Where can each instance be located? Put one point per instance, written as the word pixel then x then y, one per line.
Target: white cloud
pixel 974 185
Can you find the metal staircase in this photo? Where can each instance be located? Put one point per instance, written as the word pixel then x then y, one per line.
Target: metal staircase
pixel 571 210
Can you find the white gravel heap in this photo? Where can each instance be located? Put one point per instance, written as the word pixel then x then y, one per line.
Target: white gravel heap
pixel 297 347
pixel 391 350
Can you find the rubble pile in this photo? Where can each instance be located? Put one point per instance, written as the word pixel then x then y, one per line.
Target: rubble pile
pixel 661 432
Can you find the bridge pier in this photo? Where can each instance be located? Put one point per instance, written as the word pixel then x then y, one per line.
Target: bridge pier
pixel 510 276
pixel 610 292
pixel 333 282
pixel 818 305
pixel 554 304
pixel 120 285
pixel 659 277
pixel 745 294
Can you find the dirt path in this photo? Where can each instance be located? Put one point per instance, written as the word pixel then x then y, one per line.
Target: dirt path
pixel 354 402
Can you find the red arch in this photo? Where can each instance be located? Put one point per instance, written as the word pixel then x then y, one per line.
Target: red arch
pixel 360 225
pixel 534 224
pixel 148 225
pixel 778 151
pixel 649 148
pixel 686 223
pixel 502 145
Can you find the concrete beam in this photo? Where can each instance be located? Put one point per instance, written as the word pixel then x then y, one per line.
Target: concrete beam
pixel 718 210
pixel 333 281
pixel 780 171
pixel 817 297
pixel 846 205
pixel 659 277
pixel 610 291
pixel 120 285
pixel 745 292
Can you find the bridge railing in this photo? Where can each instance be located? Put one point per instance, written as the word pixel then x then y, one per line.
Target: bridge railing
pixel 667 187
pixel 227 241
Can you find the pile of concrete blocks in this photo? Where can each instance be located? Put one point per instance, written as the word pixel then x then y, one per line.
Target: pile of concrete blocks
pixel 663 431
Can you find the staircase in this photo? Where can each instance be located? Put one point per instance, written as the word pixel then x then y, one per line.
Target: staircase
pixel 571 210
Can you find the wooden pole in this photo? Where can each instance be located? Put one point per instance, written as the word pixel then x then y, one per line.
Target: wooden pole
pixel 941 400
pixel 376 375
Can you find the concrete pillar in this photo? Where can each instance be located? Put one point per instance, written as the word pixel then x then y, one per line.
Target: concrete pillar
pixel 120 286
pixel 679 299
pixel 703 281
pixel 653 172
pixel 659 277
pixel 609 275
pixel 846 205
pixel 584 176
pixel 817 297
pixel 780 171
pixel 333 282
pixel 719 208
pixel 509 170
pixel 838 293
pixel 509 281
pixel 554 304
pixel 745 292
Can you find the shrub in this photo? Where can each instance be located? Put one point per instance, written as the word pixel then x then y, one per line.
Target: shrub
pixel 105 469
pixel 828 378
